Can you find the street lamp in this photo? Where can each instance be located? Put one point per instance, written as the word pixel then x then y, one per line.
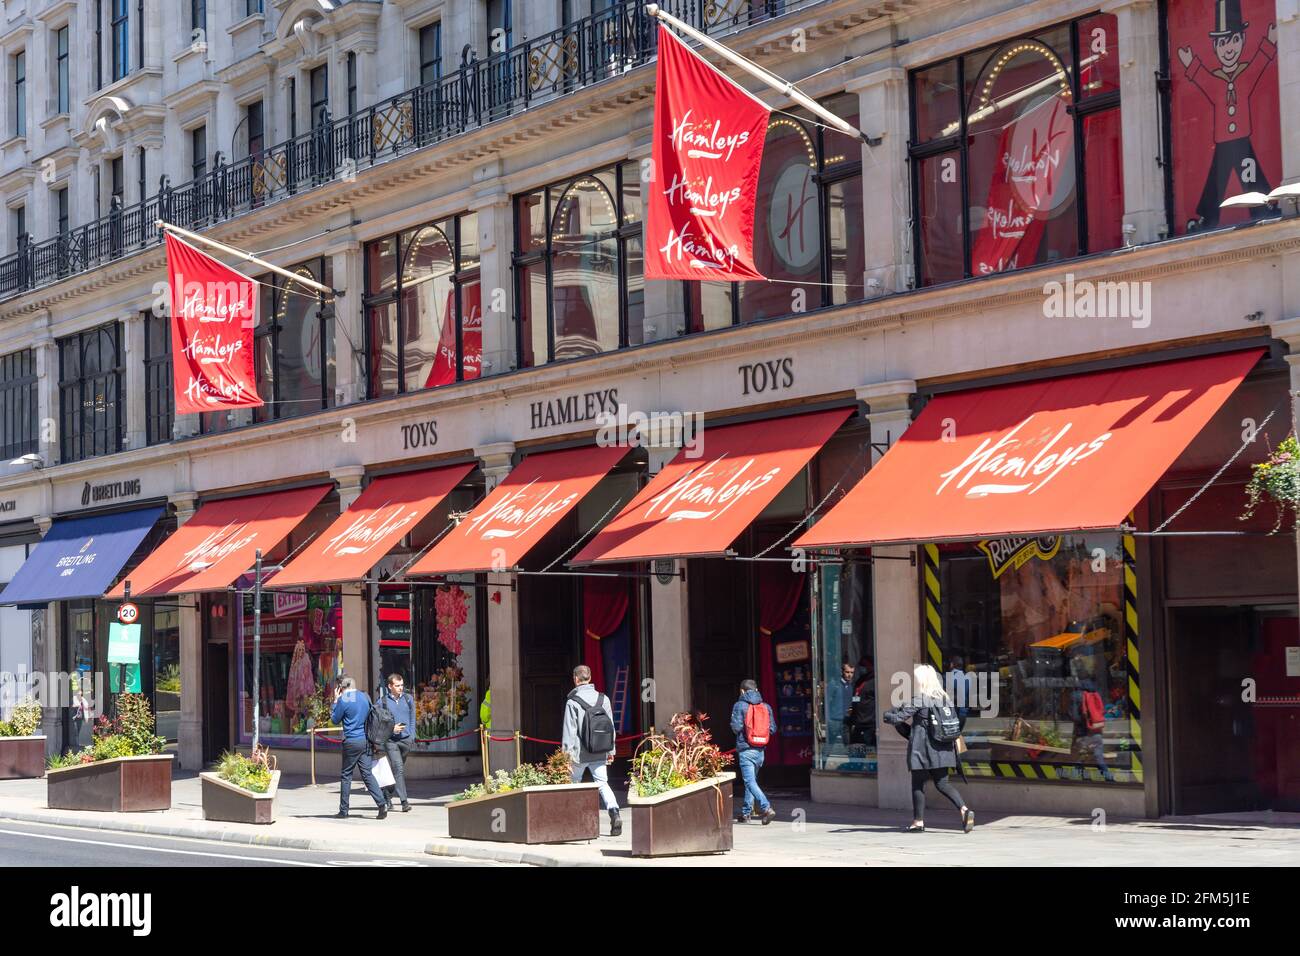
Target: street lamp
pixel 31 458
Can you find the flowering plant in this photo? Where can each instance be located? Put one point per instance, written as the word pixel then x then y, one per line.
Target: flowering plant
pixel 441 704
pixel 130 734
pixel 554 772
pixel 1277 478
pixel 451 608
pixel 684 755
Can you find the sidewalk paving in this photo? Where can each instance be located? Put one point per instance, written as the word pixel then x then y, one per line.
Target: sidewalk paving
pixel 804 834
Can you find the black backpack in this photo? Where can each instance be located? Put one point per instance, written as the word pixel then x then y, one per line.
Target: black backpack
pixel 596 732
pixel 942 724
pixel 379 725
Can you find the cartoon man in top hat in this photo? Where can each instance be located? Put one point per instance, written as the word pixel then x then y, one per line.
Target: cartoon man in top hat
pixel 1229 90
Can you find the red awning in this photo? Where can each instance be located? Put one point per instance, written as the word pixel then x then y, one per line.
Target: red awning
pixel 699 506
pixel 1063 454
pixel 220 542
pixel 520 511
pixel 386 511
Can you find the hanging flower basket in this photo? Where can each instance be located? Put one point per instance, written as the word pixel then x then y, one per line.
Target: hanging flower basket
pixel 1276 480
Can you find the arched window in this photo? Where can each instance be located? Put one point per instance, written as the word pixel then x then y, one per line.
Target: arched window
pixel 424 314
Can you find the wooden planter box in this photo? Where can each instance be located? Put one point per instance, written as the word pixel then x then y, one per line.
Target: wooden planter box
pixel 222 800
pixel 691 819
pixel 22 757
pixel 554 814
pixel 124 783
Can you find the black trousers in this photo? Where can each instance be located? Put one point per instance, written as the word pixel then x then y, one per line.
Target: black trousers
pixel 939 777
pixel 356 756
pixel 1227 160
pixel 397 751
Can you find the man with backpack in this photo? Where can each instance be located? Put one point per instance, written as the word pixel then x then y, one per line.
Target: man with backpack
pixel 753 723
pixel 352 712
pixel 588 739
pixel 1089 711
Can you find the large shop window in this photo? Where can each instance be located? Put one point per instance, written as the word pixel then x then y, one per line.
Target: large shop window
pixel 1035 628
pixel 579 267
pixel 159 408
pixel 19 430
pixel 90 389
pixel 1016 153
pixel 808 231
pixel 293 348
pixel 424 307
pixel 1225 125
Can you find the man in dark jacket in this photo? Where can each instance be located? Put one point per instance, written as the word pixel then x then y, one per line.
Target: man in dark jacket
pixel 351 707
pixel 402 706
pixel 749 756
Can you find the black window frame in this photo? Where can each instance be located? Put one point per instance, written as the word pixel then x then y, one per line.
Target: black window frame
pixel 62 75
pixel 252 8
pixel 77 443
pixel 20 225
pixel 430 66
pixel 462 275
pixel 19 86
pixel 255 122
pixel 62 215
pixel 350 67
pixel 159 398
pixel 198 156
pixel 198 16
pixel 958 143
pixel 318 109
pixel 19 392
pixel 119 26
pixel 142 173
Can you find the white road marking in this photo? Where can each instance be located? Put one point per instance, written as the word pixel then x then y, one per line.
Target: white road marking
pixel 158 849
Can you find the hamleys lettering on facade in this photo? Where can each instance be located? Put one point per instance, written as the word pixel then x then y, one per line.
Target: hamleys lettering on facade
pixel 214 317
pixel 1071 453
pixel 707 151
pixel 390 508
pixel 698 506
pixel 517 514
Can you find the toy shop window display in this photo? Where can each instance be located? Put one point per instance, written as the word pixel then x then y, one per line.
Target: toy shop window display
pixel 846 674
pixel 1035 649
pixel 447 659
pixel 301 657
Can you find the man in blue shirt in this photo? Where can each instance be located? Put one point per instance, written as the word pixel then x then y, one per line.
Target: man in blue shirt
pixel 350 711
pixel 402 706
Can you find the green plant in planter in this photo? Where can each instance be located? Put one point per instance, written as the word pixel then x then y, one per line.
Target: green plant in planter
pixel 684 755
pixel 130 734
pixel 1276 479
pixel 553 772
pixel 250 773
pixel 25 720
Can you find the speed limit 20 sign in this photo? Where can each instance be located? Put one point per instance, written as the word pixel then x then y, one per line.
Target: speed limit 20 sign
pixel 127 613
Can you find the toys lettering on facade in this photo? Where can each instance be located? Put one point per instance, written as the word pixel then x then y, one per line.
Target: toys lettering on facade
pixel 1229 85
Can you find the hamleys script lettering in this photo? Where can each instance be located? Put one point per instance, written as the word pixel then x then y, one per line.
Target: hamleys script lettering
pixel 366 531
pixel 518 516
pixel 1000 460
pixel 213 301
pixel 704 141
pixel 697 488
pixel 215 547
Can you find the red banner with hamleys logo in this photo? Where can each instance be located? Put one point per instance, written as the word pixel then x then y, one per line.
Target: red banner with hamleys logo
pixel 517 514
pixel 1067 454
pixel 389 509
pixel 707 150
pixel 214 316
pixel 699 506
pixel 220 542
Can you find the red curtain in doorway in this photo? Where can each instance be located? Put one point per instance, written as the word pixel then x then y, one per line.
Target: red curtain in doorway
pixel 604 605
pixel 779 590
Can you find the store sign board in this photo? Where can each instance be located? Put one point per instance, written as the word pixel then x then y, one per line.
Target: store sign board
pixel 289 602
pixel 109 491
pixel 124 643
pixel 10 504
pixel 792 652
pixel 572 409
pixel 1293 662
pixel 1009 554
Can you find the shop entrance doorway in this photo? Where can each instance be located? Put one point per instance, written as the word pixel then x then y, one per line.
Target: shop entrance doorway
pixel 1235 709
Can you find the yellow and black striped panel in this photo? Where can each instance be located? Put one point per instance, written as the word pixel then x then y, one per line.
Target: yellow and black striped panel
pixel 1131 636
pixel 933 608
pixel 1019 770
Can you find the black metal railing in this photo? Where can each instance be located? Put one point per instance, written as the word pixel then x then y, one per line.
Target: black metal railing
pixel 479 92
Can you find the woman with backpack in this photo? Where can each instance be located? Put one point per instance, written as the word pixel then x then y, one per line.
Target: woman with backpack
pixel 931 743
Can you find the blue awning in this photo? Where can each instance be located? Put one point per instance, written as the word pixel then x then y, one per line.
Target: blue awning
pixel 79 557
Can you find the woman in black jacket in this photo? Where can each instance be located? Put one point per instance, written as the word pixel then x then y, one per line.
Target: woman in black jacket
pixel 927 759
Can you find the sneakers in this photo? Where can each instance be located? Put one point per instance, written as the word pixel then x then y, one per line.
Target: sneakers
pixel 406 808
pixel 742 817
pixel 615 824
pixel 768 816
pixel 383 812
pixel 341 815
pixel 968 821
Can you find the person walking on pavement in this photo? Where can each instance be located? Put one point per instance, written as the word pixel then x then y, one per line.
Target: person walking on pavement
pixel 589 739
pixel 402 706
pixel 753 723
pixel 931 743
pixel 351 708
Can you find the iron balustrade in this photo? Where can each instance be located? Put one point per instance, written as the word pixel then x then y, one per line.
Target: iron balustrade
pixel 480 91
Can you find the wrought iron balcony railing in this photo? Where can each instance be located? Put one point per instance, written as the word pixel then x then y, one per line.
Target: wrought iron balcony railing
pixel 481 91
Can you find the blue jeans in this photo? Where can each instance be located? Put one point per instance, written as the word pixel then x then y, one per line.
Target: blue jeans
pixel 600 774
pixel 750 761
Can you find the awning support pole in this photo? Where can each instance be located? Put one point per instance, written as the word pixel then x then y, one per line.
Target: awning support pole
pixel 257 648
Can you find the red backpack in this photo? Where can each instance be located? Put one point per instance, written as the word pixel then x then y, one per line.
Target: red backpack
pixel 1094 711
pixel 758 726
